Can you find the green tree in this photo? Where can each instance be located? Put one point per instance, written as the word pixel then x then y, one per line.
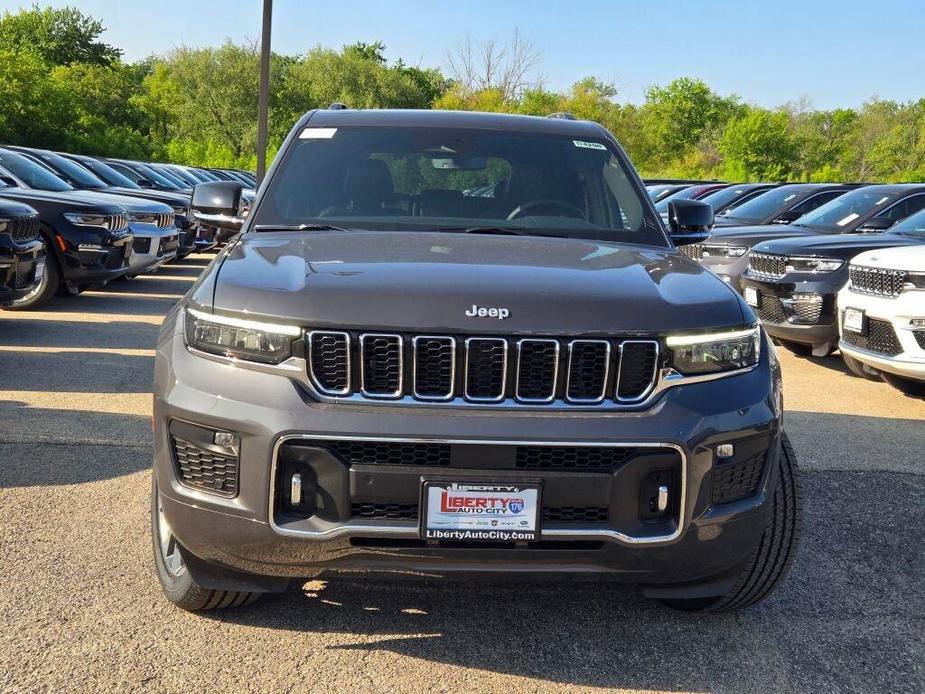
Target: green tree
pixel 759 146
pixel 60 36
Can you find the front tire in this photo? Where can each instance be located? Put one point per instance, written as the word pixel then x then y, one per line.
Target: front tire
pixel 771 560
pixel 47 287
pixel 175 580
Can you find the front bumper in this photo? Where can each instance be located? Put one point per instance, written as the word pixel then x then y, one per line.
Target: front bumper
pixel 20 267
pixel 151 248
pixel 797 308
pixel 88 259
pixel 895 316
pixel 246 532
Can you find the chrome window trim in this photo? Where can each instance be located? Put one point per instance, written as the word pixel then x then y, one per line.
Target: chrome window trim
pixel 397 393
pixel 311 370
pixel 414 368
pixel 654 379
pixel 555 375
pixel 568 379
pixel 401 529
pixel 504 367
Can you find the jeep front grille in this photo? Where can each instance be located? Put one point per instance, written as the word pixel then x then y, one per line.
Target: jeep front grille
pixel 694 251
pixel 482 369
pixel 767 265
pixel 551 514
pixel 871 280
pixel 24 229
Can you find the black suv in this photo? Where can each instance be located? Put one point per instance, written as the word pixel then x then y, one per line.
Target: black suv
pixel 86 242
pixel 22 256
pixel 868 209
pixel 451 342
pixel 793 283
pixel 782 205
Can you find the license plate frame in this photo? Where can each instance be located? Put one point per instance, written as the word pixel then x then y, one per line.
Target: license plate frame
pixel 494 522
pixel 854 320
pixel 752 297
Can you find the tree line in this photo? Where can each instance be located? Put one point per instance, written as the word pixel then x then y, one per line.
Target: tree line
pixel 61 87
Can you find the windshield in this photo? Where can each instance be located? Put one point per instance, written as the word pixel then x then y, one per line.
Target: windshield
pixel 183 175
pixel 73 171
pixel 721 199
pixel 152 175
pixel 169 175
pixel 32 174
pixel 768 204
pixel 837 214
pixel 395 178
pixel 914 225
pixel 108 174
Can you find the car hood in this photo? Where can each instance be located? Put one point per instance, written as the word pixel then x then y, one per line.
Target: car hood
pixel 750 235
pixel 67 199
pixel 131 204
pixel 842 246
pixel 164 196
pixel 429 281
pixel 908 259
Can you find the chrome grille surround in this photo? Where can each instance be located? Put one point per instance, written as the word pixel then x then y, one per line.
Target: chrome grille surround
pixel 599 396
pixel 518 391
pixel 767 265
pixel 876 281
pixel 620 375
pixel 381 342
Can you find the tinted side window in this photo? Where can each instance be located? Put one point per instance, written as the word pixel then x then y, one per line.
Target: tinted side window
pixel 904 208
pixel 814 201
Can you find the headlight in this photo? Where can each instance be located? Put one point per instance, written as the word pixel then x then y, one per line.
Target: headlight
pixel 813 264
pixel 239 338
pixel 709 353
pixel 3 224
pixel 916 279
pixel 87 219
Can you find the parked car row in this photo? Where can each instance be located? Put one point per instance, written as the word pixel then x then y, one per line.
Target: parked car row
pixel 826 267
pixel 69 222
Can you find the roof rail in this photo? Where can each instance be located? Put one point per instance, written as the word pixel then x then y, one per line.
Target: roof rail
pixel 337 106
pixel 564 115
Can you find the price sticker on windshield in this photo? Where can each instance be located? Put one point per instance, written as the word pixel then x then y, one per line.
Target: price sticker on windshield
pixel 589 145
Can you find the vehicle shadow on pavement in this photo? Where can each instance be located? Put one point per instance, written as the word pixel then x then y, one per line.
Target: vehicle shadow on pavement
pixel 847 618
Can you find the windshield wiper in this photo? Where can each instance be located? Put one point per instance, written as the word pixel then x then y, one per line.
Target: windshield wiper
pixel 299 227
pixel 499 230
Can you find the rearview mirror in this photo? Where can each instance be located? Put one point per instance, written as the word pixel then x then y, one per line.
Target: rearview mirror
pixel 217 203
pixel 786 217
pixel 689 221
pixel 145 183
pixel 877 224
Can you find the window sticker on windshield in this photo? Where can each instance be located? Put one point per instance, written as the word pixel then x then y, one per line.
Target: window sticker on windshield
pixel 847 220
pixel 317 133
pixel 589 145
pixel 790 197
pixel 882 200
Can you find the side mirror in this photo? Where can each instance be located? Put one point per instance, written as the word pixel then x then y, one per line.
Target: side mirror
pixel 877 224
pixel 689 221
pixel 217 203
pixel 145 183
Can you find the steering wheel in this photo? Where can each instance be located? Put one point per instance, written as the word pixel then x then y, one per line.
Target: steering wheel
pixel 521 210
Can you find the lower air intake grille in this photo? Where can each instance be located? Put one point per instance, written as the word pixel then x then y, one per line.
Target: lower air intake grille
pixel 880 338
pixel 920 337
pixel 574 514
pixel 389 453
pixel 581 458
pixel 385 511
pixel 202 469
pixel 738 480
pixel 771 310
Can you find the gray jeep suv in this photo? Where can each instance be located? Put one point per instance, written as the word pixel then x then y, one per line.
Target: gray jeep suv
pixel 449 343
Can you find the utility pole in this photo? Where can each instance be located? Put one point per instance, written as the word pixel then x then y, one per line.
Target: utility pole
pixel 263 98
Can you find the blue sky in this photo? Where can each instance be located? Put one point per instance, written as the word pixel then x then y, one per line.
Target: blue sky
pixel 836 53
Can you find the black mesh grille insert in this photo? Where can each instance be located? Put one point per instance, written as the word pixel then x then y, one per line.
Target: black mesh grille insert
pixel 434 359
pixel 768 265
pixel 574 514
pixel 737 481
pixel 382 364
pixel 807 311
pixel 587 458
pixel 920 337
pixel 638 361
pixel 588 365
pixel 141 245
pixel 388 453
pixel 485 368
pixel 536 375
pixel 694 251
pixel 330 361
pixel 771 310
pixel 880 338
pixel 211 472
pixel 385 511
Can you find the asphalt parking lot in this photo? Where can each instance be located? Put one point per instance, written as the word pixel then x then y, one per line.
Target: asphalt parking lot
pixel 81 609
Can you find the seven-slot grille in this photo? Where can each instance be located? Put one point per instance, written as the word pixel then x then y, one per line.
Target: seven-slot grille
pixel 871 280
pixel 117 222
pixel 767 265
pixel 24 229
pixel 694 251
pixel 482 369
